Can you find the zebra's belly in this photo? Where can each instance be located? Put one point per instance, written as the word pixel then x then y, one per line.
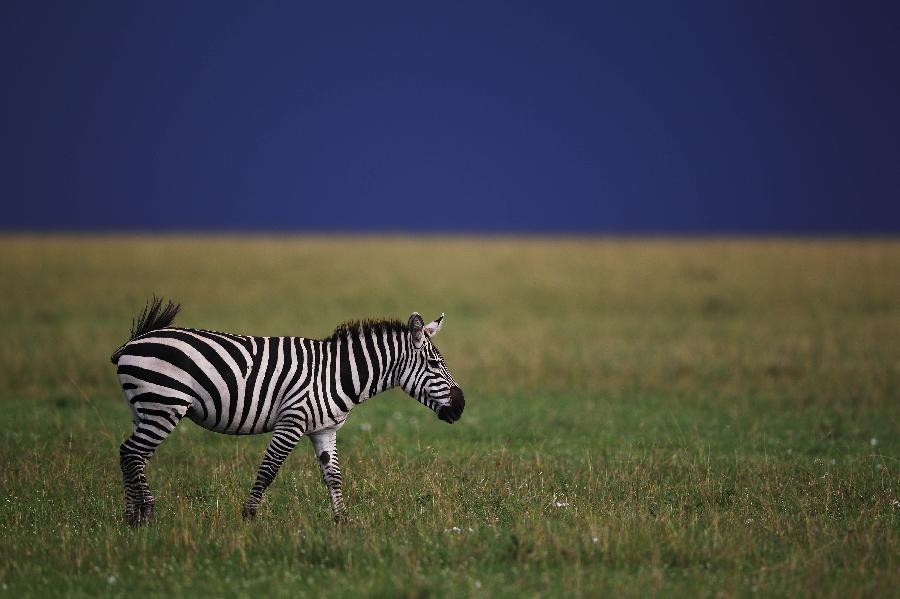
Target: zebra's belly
pixel 326 424
pixel 242 415
pixel 309 413
pixel 262 426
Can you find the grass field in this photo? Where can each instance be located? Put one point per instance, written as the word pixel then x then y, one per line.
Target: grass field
pixel 695 418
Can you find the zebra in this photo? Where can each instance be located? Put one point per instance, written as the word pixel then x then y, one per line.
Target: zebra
pixel 289 386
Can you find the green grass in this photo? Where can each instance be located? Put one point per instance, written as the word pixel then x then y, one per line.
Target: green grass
pixel 693 418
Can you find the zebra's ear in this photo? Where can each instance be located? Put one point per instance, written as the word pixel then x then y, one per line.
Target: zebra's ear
pixel 416 328
pixel 434 327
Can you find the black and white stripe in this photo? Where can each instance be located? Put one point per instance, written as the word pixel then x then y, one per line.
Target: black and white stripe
pixel 290 386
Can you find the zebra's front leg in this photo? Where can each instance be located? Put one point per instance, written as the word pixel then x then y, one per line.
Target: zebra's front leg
pixel 283 441
pixel 325 444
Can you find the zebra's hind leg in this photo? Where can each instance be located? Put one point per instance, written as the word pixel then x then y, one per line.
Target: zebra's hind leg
pixel 156 417
pixel 283 441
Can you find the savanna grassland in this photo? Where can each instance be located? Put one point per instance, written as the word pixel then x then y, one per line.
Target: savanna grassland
pixel 682 417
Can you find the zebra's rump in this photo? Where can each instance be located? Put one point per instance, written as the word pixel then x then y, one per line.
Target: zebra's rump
pixel 202 373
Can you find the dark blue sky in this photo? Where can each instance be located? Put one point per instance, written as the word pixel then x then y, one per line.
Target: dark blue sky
pixel 626 117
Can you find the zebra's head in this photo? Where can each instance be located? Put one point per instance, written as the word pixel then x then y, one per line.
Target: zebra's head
pixel 426 377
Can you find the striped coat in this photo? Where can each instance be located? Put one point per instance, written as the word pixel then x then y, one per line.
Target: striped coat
pixel 289 386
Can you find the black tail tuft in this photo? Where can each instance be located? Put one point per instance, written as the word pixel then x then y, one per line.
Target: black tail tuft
pixel 154 317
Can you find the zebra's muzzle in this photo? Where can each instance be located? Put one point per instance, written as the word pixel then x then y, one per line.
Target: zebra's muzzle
pixel 453 411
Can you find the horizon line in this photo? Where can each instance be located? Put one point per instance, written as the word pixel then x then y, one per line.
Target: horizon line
pixel 457 233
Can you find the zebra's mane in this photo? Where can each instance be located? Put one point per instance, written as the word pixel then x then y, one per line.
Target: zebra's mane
pixel 376 325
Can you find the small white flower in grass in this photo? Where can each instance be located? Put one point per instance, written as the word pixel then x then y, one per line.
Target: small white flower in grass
pixel 477 584
pixel 111 580
pixel 749 521
pixel 562 503
pixel 455 529
pixel 595 540
pixel 365 427
pixel 873 441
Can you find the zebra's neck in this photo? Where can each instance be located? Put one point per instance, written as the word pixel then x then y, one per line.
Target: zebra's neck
pixel 389 375
pixel 365 364
pixel 396 361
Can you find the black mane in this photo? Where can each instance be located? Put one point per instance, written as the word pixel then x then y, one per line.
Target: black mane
pixel 377 326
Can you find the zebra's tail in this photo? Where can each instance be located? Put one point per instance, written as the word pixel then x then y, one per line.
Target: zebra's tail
pixel 154 317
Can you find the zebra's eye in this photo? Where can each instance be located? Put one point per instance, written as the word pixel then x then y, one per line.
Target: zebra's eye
pixel 434 362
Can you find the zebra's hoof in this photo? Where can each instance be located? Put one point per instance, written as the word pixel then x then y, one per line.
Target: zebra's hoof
pixel 139 514
pixel 146 512
pixel 249 513
pixel 132 517
pixel 343 519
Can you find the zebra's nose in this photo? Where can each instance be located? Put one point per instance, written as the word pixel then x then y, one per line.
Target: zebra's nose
pixel 457 398
pixel 452 412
